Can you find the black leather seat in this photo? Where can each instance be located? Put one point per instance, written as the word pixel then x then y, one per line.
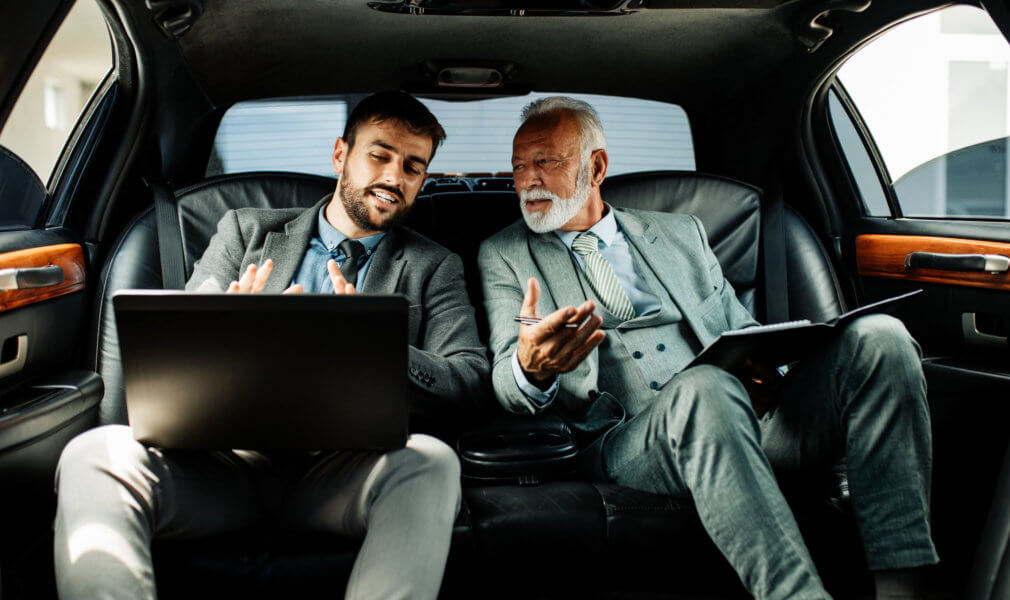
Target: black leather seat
pixel 574 523
pixel 731 213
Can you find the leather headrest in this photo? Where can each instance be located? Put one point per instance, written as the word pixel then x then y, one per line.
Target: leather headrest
pixel 729 210
pixel 201 206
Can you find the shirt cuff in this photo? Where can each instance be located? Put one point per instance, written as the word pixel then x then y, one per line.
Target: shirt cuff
pixel 536 395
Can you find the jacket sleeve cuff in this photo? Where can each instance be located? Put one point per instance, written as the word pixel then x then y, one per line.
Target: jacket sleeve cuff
pixel 537 396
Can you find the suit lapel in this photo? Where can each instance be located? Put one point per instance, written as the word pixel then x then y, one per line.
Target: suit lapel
pixel 287 248
pixel 657 252
pixel 560 279
pixel 667 263
pixel 384 271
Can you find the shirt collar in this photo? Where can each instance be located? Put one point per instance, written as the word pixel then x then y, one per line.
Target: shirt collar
pixel 605 229
pixel 331 237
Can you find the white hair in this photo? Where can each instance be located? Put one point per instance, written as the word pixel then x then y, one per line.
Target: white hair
pixel 590 128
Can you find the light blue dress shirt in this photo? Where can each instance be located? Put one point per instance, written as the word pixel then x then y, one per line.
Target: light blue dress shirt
pixel 613 247
pixel 323 246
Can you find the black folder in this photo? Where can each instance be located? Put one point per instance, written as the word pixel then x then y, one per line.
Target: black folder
pixel 781 343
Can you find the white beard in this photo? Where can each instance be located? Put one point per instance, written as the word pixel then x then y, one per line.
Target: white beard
pixel 561 209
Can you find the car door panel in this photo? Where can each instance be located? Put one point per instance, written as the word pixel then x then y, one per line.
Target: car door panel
pixel 68 257
pixel 962 318
pixel 48 400
pixel 36 421
pixel 892 256
pixel 45 396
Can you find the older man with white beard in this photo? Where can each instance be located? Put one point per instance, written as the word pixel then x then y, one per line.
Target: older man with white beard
pixel 630 298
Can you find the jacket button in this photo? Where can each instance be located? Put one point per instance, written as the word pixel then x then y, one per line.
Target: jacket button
pixel 654 385
pixel 661 347
pixel 636 354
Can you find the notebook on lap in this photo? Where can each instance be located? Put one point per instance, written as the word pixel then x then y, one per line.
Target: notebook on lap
pixel 264 371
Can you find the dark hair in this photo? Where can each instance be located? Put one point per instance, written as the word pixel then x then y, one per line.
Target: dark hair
pixel 399 106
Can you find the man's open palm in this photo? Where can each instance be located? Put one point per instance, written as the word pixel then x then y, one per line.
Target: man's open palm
pixel 551 347
pixel 255 279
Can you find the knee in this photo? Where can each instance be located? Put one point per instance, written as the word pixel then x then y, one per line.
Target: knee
pixel 435 462
pixel 711 401
pixel 873 331
pixel 881 339
pixel 103 451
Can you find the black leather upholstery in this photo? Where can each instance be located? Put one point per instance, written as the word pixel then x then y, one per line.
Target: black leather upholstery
pixel 202 205
pixel 731 213
pixel 729 210
pixel 133 263
pixel 22 191
pixel 814 291
pixel 504 524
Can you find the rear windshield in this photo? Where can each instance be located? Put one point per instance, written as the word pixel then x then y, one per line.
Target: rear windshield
pixel 297 134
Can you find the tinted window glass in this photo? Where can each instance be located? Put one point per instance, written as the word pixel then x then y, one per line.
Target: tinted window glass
pixel 860 163
pixel 287 135
pixel 933 94
pixel 298 135
pixel 76 61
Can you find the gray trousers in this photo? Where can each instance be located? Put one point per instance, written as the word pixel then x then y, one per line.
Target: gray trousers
pixel 116 495
pixel 861 397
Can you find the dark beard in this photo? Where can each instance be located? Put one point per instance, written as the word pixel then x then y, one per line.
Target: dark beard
pixel 356 208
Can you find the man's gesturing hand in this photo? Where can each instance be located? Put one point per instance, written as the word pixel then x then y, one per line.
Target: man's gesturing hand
pixel 340 285
pixel 548 347
pixel 253 280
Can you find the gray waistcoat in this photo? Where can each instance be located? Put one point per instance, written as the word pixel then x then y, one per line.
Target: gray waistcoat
pixel 643 354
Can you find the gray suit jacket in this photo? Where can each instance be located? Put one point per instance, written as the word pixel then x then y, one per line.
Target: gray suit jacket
pixel 677 251
pixel 445 357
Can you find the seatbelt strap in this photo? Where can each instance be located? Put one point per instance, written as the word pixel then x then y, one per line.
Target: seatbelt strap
pixel 773 236
pixel 173 270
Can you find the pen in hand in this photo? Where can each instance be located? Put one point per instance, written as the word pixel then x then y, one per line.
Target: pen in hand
pixel 534 320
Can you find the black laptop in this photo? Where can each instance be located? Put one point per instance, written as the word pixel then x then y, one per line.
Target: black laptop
pixel 264 371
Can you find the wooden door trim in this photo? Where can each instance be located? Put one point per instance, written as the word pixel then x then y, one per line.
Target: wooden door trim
pixel 69 257
pixel 880 255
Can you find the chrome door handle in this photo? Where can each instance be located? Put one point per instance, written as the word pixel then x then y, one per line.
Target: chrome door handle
pixel 36 277
pixel 987 263
pixel 18 362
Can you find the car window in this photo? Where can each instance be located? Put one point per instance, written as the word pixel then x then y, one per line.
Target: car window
pixel 298 134
pixel 858 158
pixel 932 92
pixel 77 59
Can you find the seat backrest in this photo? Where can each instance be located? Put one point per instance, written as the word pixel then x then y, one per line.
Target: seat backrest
pixel 730 211
pixel 21 189
pixel 134 263
pixel 460 220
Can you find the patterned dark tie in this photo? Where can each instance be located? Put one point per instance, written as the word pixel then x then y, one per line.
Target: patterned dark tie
pixel 353 250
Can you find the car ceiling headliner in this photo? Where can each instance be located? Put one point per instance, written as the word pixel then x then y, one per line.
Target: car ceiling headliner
pixel 250 49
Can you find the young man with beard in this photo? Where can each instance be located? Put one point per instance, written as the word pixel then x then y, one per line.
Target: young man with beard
pixel 115 494
pixel 647 294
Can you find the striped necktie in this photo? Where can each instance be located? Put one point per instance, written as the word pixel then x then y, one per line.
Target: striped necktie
pixel 602 277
